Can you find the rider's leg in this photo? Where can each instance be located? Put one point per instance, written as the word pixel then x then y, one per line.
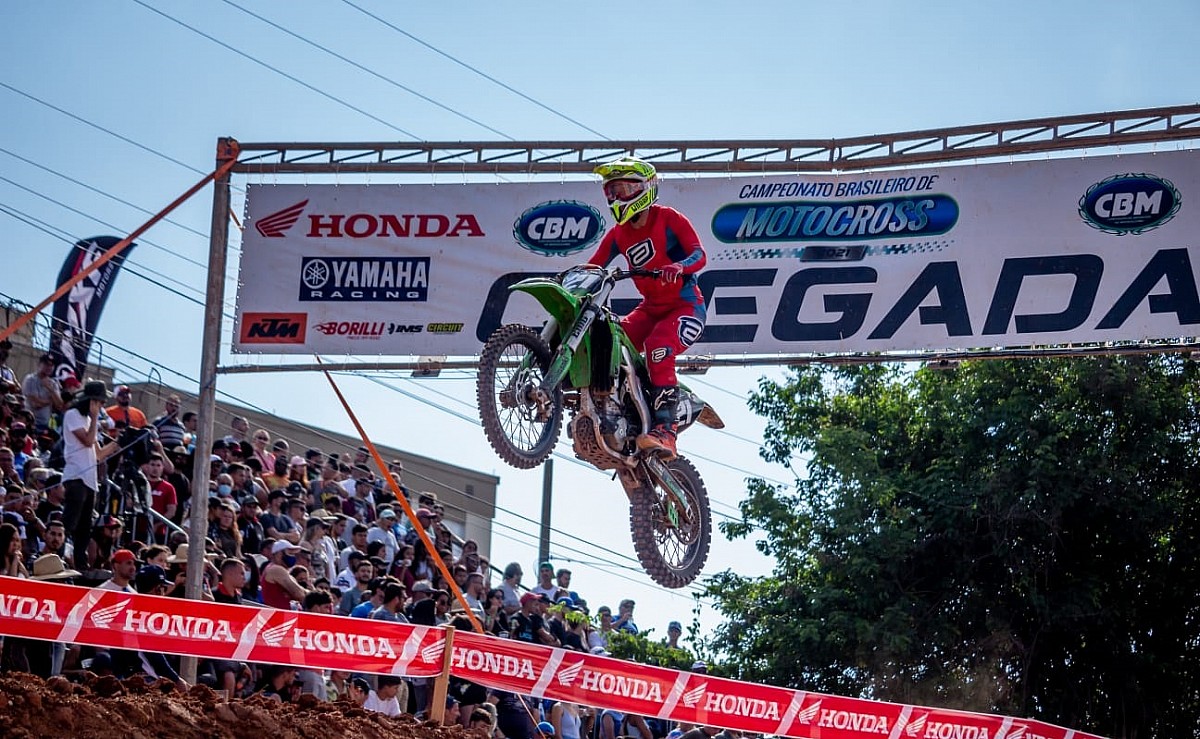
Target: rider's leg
pixel 669 338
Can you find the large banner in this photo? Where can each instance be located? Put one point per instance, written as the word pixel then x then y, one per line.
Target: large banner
pixel 1061 251
pixel 76 314
pixel 103 618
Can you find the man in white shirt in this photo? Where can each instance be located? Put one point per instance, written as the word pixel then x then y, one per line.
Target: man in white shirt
pixel 124 569
pixel 81 455
pixel 381 530
pixel 384 700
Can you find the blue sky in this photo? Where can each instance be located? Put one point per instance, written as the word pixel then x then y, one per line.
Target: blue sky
pixel 695 70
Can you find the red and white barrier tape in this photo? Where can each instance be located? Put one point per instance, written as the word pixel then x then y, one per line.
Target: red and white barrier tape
pixel 40 610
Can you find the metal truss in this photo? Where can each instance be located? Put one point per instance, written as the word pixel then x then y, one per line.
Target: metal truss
pixel 1032 136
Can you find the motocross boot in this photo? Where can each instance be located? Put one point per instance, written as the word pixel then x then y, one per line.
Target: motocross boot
pixel 660 439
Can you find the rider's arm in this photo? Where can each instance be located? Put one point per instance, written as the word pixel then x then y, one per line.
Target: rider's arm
pixel 681 231
pixel 606 252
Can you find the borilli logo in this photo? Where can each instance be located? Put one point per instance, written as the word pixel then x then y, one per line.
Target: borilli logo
pixel 278 223
pixel 567 675
pixel 274 635
pixel 695 695
pixel 103 617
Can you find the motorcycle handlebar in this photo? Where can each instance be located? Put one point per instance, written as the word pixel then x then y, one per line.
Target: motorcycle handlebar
pixel 653 273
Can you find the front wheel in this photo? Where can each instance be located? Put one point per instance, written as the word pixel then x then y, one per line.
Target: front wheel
pixel 521 421
pixel 672 555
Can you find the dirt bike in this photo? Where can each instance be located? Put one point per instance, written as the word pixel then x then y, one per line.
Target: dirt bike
pixel 582 361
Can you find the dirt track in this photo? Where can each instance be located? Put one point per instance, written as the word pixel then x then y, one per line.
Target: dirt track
pixel 30 707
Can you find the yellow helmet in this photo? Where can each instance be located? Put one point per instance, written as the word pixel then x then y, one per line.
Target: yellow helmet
pixel 630 185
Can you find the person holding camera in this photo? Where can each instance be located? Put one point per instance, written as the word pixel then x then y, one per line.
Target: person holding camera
pixel 81 455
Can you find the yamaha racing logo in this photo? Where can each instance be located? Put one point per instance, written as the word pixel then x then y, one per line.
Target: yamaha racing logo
pixel 1129 204
pixel 364 279
pixel 558 228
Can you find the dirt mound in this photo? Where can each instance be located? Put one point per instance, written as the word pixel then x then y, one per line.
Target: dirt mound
pixel 105 706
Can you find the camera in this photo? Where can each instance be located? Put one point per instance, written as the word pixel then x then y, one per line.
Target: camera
pixel 136 444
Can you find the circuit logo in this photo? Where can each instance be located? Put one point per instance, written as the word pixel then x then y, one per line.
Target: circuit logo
pixel 1129 204
pixel 558 227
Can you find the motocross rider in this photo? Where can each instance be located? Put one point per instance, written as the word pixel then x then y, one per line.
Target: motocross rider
pixel 671 315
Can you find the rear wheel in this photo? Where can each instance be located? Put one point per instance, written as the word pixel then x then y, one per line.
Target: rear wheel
pixel 672 555
pixel 520 421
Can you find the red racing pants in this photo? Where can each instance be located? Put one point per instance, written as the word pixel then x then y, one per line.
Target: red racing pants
pixel 662 333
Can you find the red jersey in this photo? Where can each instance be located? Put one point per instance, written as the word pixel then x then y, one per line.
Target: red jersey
pixel 667 237
pixel 162 494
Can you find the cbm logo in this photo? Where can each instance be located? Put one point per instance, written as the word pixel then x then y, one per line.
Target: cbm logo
pixel 273 328
pixel 1129 204
pixel 558 227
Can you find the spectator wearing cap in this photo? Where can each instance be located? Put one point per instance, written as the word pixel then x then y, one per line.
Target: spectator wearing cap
pixel 700 667
pixel 170 429
pixel 124 413
pixel 359 506
pixel 124 569
pixel 81 455
pixel 249 526
pixel 297 470
pixel 545 730
pixel 381 530
pixel 43 393
pixel 674 631
pixel 316 530
pixel 546 585
pixel 279 588
pixel 528 625
pixel 277 524
pixel 424 521
pixel 598 638
pixel 624 619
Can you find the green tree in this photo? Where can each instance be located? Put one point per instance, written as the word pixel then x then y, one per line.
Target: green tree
pixel 1017 537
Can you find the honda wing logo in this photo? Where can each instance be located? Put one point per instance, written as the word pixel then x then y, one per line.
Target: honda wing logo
pixel 917 726
pixel 277 224
pixel 693 696
pixel 808 714
pixel 567 675
pixel 274 635
pixel 433 652
pixel 103 617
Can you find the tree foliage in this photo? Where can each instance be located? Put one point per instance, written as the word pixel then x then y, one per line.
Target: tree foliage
pixel 1010 536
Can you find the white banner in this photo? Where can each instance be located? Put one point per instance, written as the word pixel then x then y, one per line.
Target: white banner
pixel 953 258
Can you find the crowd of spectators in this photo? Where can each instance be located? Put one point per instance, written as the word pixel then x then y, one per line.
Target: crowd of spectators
pixel 95 492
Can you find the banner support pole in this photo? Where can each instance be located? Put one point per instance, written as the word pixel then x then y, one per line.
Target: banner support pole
pixel 441 684
pixel 214 300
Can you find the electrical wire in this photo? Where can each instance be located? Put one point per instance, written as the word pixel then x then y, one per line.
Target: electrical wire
pixel 278 71
pixel 369 71
pixel 476 70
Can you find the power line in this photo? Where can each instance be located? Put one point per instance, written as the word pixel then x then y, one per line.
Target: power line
pixel 369 71
pixel 476 70
pixel 98 127
pixel 278 71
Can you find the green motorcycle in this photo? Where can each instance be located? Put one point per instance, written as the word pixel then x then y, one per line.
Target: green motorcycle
pixel 582 361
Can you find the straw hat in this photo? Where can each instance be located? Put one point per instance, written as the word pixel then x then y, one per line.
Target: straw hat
pixel 51 567
pixel 181 555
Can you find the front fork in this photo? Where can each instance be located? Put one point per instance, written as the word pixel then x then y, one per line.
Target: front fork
pixel 678 509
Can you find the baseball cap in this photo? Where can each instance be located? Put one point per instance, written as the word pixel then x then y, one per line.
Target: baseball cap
pixel 424 513
pixel 283 546
pixel 298 460
pixel 546 566
pixel 214 458
pixel 52 479
pixel 530 597
pixel 422 586
pixel 150 576
pixel 545 727
pixel 675 625
pixel 16 426
pixel 387 513
pixel 123 555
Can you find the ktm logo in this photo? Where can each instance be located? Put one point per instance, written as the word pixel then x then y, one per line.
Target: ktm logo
pixel 278 223
pixel 273 328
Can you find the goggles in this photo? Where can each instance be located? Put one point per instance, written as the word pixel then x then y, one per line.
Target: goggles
pixel 623 190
